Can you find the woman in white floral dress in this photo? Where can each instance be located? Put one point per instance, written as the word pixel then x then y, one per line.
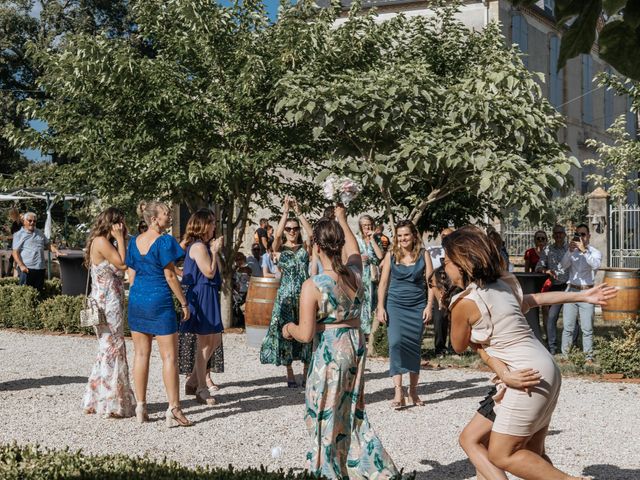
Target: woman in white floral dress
pixel 108 391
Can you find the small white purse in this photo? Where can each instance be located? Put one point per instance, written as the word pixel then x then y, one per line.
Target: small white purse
pixel 91 315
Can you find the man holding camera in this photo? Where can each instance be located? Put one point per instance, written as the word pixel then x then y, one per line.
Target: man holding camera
pixel 581 263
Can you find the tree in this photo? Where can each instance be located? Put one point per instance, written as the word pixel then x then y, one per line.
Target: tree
pixel 180 109
pixel 423 111
pixel 618 41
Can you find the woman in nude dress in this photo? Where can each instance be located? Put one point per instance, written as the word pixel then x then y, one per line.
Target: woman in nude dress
pixel 489 312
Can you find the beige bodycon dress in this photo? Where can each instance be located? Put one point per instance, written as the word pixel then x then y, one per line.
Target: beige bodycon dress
pixel 505 334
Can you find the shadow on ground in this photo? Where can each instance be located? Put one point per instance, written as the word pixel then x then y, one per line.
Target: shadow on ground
pixel 29 383
pixel 611 472
pixel 460 470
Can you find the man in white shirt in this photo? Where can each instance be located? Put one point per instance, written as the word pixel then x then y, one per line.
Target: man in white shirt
pixel 581 262
pixel 255 261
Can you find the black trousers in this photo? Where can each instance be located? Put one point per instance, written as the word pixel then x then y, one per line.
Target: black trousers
pixel 440 329
pixel 33 278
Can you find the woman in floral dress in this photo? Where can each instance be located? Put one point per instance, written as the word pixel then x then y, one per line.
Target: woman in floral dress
pixel 371 255
pixel 344 446
pixel 293 261
pixel 108 391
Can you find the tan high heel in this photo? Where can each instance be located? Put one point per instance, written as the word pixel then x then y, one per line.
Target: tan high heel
pixel 402 403
pixel 415 399
pixel 174 421
pixel 141 412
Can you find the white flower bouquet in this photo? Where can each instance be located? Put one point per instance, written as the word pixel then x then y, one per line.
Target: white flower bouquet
pixel 340 189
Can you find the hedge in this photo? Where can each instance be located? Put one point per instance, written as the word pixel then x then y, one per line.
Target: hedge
pixel 622 354
pixel 33 463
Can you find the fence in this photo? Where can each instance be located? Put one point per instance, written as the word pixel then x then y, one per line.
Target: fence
pixel 518 241
pixel 624 233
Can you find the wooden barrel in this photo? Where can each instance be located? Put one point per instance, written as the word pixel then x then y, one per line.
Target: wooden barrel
pixel 258 307
pixel 627 303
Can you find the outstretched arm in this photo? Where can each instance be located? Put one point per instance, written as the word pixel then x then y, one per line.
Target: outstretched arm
pixel 598 295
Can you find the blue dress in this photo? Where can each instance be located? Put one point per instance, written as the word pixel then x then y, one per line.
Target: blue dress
pixel 405 303
pixel 151 308
pixel 202 297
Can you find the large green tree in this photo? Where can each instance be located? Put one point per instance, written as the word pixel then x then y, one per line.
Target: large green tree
pixel 430 116
pixel 618 41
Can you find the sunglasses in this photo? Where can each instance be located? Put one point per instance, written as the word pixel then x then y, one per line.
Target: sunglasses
pixel 542 239
pixel 291 229
pixel 581 234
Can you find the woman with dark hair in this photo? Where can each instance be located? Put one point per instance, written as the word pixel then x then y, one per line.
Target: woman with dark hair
pixel 343 443
pixel 201 276
pixel 108 391
pixel 293 261
pixel 371 254
pixel 402 304
pixel 489 312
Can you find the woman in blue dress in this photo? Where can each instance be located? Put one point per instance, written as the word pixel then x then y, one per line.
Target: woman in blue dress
pixel 402 304
pixel 201 276
pixel 343 444
pixel 151 258
pixel 293 262
pixel 371 254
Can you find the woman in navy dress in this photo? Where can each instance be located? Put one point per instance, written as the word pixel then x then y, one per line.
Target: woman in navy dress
pixel 402 303
pixel 151 258
pixel 201 276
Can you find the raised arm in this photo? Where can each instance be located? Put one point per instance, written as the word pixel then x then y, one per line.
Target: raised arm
pixel 277 241
pixel 308 229
pixel 350 249
pixel 208 264
pixel 598 295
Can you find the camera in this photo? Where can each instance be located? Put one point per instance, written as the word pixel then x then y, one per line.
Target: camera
pixel 576 237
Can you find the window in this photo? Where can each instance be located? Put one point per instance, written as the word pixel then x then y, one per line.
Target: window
pixel 556 78
pixel 549 5
pixel 608 104
pixel 587 97
pixel 519 34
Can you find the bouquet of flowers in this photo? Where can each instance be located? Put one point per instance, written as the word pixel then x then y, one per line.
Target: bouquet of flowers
pixel 340 189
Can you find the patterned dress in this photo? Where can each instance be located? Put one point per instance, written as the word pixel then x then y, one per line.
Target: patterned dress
pixel 370 297
pixel 108 391
pixel 294 265
pixel 344 446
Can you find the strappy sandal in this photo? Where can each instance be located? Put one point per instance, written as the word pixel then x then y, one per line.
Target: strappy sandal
pixel 399 405
pixel 173 420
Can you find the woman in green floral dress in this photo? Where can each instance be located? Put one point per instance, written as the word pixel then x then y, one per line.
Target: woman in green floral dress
pixel 344 446
pixel 371 254
pixel 293 261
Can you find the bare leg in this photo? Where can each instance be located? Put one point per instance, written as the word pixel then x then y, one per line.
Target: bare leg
pixel 290 376
pixel 141 355
pixel 474 440
pixel 413 385
pixel 398 398
pixel 207 344
pixel 168 345
pixel 536 444
pixel 508 452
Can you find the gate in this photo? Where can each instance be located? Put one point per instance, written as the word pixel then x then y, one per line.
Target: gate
pixel 624 236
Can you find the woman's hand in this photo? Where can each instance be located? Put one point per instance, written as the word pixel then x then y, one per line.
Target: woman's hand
pixel 381 315
pixel 340 212
pixel 522 379
pixel 600 294
pixel 286 204
pixel 186 313
pixel 427 313
pixel 117 231
pixel 285 332
pixel 216 244
pixel 296 207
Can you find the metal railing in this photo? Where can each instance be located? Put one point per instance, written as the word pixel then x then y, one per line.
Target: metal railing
pixel 624 236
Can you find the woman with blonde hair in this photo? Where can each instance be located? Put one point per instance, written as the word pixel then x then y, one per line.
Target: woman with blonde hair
pixel 201 276
pixel 402 304
pixel 108 391
pixel 151 258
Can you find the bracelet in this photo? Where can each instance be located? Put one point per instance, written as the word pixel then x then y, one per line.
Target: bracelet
pixel 185 305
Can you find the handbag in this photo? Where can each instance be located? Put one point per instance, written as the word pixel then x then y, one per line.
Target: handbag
pixel 91 315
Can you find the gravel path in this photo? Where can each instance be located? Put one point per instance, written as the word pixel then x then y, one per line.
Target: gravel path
pixel 595 430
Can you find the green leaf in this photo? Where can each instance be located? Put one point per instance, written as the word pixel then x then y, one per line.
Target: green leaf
pixel 619 46
pixel 580 36
pixel 611 7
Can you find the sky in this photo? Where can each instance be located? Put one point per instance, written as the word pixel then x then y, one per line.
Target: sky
pixel 36 155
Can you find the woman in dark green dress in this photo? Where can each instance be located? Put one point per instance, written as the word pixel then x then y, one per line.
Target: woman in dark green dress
pixel 402 304
pixel 293 261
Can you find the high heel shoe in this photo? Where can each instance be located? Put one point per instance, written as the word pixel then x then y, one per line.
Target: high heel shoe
pixel 173 420
pixel 203 396
pixel 141 412
pixel 415 399
pixel 399 405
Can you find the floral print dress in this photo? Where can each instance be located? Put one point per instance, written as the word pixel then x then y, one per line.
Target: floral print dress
pixel 344 446
pixel 108 391
pixel 370 298
pixel 276 350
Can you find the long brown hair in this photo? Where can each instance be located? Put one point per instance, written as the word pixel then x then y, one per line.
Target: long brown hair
pixel 198 225
pixel 473 252
pixel 102 228
pixel 417 244
pixel 329 237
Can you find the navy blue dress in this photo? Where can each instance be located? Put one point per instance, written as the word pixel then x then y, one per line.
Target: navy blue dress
pixel 151 308
pixel 405 303
pixel 203 299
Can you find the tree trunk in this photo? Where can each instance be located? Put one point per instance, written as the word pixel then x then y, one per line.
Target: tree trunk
pixel 226 299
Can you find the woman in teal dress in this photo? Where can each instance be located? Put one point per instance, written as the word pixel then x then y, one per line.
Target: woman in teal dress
pixel 371 254
pixel 344 446
pixel 293 261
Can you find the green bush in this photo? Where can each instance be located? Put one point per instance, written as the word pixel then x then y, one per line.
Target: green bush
pixel 52 288
pixel 621 355
pixel 4 281
pixel 61 313
pixel 5 305
pixel 380 341
pixel 33 463
pixel 23 310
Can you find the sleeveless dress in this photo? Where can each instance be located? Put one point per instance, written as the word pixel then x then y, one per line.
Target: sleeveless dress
pixel 405 302
pixel 276 350
pixel 108 390
pixel 151 308
pixel 369 298
pixel 505 334
pixel 203 299
pixel 344 446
